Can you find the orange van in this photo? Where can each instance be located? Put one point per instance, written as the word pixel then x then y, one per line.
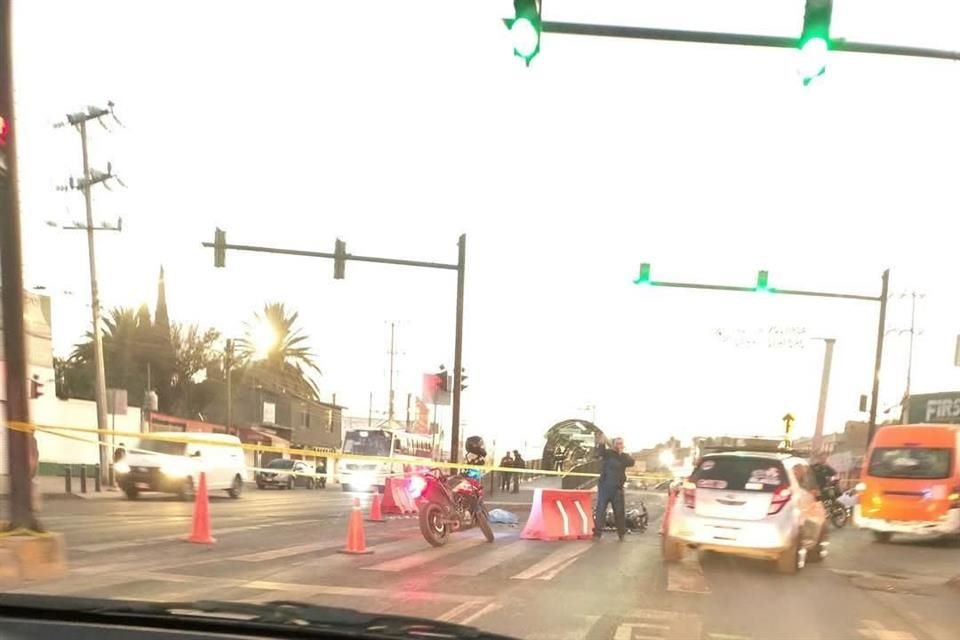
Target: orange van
pixel 911 482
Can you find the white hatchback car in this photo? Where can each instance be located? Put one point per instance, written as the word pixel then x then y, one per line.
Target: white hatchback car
pixel 749 503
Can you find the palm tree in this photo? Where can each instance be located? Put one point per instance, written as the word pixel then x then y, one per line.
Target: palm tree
pixel 275 352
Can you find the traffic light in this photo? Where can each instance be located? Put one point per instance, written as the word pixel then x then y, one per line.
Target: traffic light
pixel 36 387
pixel 644 277
pixel 339 259
pixel 525 29
pixel 762 281
pixel 463 378
pixel 219 248
pixel 815 39
pixel 444 380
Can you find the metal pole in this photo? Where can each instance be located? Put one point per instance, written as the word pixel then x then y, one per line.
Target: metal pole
pixel 390 407
pixel 881 328
pixel 228 362
pixel 458 352
pixel 370 411
pixel 100 389
pixel 409 395
pixel 913 317
pixel 19 443
pixel 824 387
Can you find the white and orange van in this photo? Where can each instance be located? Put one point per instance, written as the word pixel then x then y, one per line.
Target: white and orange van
pixel 911 482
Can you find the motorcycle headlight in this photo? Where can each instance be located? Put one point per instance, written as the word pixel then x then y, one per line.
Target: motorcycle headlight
pixel 121 468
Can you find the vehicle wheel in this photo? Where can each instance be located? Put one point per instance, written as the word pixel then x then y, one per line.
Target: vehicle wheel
pixel 346 487
pixel 672 549
pixel 322 484
pixel 261 486
pixel 819 551
pixel 789 560
pixel 291 483
pixel 236 487
pixel 433 526
pixel 187 491
pixel 882 537
pixel 484 523
pixel 838 517
pixel 132 493
pixel 311 484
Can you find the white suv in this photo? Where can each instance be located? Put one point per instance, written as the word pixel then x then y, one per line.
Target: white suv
pixel 749 503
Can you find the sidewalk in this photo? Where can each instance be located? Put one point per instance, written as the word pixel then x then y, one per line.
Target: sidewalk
pixel 53 488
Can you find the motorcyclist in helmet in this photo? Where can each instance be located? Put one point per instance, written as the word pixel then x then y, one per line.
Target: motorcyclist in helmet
pixel 476 454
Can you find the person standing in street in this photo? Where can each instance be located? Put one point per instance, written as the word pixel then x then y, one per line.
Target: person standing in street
pixel 613 475
pixel 506 462
pixel 518 463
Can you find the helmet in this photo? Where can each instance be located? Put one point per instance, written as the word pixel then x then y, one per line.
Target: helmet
pixel 475 446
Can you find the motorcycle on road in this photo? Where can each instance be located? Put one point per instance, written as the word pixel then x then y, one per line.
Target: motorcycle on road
pixel 449 504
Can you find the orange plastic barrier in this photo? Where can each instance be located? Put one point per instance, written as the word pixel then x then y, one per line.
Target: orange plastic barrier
pixel 396 498
pixel 200 531
pixel 559 515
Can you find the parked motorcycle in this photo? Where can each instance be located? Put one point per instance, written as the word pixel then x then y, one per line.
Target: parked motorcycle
pixel 451 503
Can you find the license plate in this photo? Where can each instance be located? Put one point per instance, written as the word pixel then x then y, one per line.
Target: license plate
pixel 142 485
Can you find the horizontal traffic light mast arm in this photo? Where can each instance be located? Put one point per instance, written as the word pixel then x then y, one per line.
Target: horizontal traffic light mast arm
pixel 323 254
pixel 788 292
pixel 740 39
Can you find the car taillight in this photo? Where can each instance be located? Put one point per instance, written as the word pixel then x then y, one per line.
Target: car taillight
pixel 954 498
pixel 689 495
pixel 780 497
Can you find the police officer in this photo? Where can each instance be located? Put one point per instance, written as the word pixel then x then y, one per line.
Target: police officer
pixel 613 475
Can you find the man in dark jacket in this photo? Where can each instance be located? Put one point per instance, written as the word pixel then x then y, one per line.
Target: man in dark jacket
pixel 613 475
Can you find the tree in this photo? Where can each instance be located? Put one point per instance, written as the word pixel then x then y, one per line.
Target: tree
pixel 194 351
pixel 276 353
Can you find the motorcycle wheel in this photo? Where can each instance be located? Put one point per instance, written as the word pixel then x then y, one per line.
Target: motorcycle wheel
pixel 433 525
pixel 484 523
pixel 839 516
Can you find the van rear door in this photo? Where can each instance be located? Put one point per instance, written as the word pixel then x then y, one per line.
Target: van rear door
pixel 915 482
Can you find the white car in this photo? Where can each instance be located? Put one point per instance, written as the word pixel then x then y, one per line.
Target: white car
pixel 749 503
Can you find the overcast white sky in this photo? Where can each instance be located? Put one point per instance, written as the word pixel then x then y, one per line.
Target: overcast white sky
pixel 399 125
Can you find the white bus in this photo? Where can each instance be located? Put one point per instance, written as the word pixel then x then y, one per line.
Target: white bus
pixel 405 452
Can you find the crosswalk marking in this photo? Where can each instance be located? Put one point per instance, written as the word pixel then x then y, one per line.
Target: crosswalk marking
pixel 875 630
pixel 409 562
pixel 140 542
pixel 476 566
pixel 559 560
pixel 284 552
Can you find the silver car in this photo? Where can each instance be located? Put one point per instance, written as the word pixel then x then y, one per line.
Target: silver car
pixel 749 503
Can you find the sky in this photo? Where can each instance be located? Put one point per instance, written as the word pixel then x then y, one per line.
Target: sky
pixel 399 126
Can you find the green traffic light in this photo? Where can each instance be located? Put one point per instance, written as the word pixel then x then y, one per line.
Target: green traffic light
pixel 526 38
pixel 644 276
pixel 813 59
pixel 762 281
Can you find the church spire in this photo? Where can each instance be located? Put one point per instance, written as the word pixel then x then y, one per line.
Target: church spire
pixel 160 318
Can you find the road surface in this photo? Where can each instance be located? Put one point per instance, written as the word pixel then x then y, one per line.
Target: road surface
pixel 281 545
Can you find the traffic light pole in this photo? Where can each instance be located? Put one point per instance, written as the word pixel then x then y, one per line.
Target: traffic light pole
pixel 882 299
pixel 340 257
pixel 19 443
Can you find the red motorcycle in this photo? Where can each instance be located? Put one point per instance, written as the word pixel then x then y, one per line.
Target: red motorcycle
pixel 451 503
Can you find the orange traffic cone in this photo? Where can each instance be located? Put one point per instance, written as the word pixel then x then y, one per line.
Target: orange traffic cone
pixel 356 542
pixel 201 515
pixel 376 513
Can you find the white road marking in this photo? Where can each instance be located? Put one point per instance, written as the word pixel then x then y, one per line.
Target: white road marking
pixel 687 576
pixel 140 542
pixel 490 608
pixel 565 556
pixel 428 555
pixel 469 611
pixel 286 552
pixel 875 630
pixel 726 636
pixel 476 566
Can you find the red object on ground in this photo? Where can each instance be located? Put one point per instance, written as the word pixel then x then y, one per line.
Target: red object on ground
pixel 356 541
pixel 559 515
pixel 200 533
pixel 396 498
pixel 376 513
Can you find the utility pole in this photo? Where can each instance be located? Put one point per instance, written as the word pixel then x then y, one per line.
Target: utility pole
pixel 824 387
pixel 392 353
pixel 20 443
pixel 878 362
pixel 458 352
pixel 228 365
pixel 91 177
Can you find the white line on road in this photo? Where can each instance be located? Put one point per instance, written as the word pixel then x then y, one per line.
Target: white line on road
pixel 140 542
pixel 490 608
pixel 562 556
pixel 874 630
pixel 476 566
pixel 286 552
pixel 417 559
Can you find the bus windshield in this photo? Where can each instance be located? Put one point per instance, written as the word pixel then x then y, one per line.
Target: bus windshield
pixel 368 443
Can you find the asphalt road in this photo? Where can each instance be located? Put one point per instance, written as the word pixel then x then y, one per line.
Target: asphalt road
pixel 280 545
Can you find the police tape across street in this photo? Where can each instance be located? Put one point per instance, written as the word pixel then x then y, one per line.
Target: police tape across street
pixel 65 432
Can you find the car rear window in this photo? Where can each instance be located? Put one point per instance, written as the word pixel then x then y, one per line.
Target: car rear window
pixel 925 463
pixel 739 473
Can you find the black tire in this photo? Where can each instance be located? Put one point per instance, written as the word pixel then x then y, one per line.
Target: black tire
pixel 188 491
pixel 322 484
pixel 838 516
pixel 345 486
pixel 291 483
pixel 484 523
pixel 882 537
pixel 671 549
pixel 433 525
pixel 819 550
pixel 260 485
pixel 132 493
pixel 311 484
pixel 236 487
pixel 789 559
